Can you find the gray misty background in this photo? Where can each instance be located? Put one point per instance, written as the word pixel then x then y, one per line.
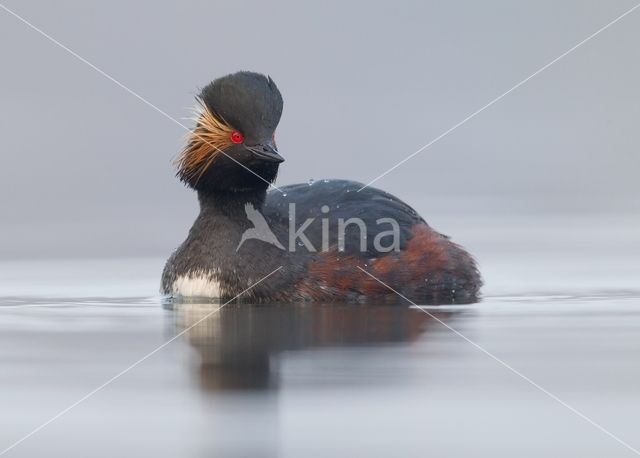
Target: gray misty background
pixel 86 168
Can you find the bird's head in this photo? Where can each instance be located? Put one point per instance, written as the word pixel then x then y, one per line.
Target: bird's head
pixel 232 147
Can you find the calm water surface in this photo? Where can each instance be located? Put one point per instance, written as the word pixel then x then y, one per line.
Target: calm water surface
pixel 328 380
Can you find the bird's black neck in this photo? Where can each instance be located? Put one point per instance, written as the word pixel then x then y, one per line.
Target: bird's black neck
pixel 230 203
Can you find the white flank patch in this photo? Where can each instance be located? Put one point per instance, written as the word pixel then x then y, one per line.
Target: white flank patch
pixel 196 284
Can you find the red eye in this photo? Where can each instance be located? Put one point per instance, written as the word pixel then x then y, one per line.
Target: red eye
pixel 237 137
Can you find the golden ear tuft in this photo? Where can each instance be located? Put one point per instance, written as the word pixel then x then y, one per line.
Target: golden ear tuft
pixel 204 143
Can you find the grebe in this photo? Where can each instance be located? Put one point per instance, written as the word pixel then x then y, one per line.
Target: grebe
pixel 321 234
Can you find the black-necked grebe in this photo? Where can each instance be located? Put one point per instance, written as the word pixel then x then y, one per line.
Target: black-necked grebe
pixel 319 232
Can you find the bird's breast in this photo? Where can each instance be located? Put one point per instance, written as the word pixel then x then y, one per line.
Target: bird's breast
pixel 197 284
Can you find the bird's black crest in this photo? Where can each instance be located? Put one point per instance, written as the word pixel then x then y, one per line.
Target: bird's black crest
pixel 248 101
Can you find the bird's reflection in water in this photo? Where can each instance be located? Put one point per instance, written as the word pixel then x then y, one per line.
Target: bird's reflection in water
pixel 239 345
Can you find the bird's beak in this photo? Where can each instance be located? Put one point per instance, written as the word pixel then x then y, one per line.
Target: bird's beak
pixel 266 151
